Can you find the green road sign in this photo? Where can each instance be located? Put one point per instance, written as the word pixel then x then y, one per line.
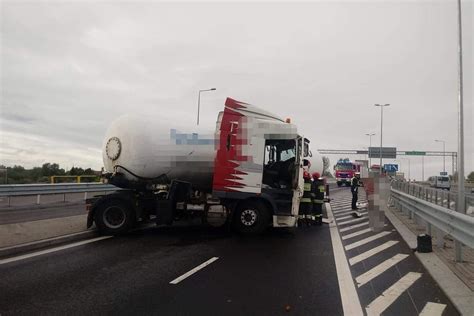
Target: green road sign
pixel 415 153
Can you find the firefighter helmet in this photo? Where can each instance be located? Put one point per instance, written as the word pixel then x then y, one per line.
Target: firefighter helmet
pixel 316 175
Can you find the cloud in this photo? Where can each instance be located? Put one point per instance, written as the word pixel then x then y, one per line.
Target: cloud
pixel 69 69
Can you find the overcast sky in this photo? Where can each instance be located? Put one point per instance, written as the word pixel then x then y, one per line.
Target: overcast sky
pixel 69 68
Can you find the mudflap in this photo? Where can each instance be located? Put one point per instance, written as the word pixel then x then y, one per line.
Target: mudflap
pixel 90 219
pixel 164 212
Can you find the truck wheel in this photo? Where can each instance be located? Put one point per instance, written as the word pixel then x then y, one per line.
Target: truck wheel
pixel 339 184
pixel 114 217
pixel 251 218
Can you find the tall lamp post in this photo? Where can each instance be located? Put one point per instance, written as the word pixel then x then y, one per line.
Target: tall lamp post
pixel 370 145
pixel 199 101
pixel 381 131
pixel 460 203
pixel 444 152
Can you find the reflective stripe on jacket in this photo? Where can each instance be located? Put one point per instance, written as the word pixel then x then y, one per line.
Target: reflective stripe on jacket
pixel 306 198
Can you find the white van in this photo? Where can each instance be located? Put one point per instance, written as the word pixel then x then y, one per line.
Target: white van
pixel 441 182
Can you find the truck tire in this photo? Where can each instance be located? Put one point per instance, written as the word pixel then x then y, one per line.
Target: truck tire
pixel 114 217
pixel 339 184
pixel 251 218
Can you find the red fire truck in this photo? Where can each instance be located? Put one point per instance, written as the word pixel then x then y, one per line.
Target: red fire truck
pixel 344 171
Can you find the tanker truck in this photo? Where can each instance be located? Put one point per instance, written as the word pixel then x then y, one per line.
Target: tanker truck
pixel 247 173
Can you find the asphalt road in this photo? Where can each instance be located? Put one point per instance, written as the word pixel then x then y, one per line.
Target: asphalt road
pixel 132 274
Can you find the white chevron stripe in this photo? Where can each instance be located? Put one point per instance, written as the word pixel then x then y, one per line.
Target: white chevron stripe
pixel 353 220
pixel 372 252
pixel 360 232
pixel 433 309
pixel 367 240
pixel 378 270
pixel 389 296
pixel 355 226
pixel 349 216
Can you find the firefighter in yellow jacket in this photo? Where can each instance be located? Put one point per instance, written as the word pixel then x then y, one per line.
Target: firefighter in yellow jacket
pixel 306 203
pixel 317 190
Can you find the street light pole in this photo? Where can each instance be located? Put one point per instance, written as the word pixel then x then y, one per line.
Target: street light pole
pixel 370 145
pixel 460 203
pixel 444 152
pixel 199 101
pixel 381 131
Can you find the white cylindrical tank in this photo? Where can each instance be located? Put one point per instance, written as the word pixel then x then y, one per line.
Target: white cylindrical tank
pixel 149 149
pixel 316 161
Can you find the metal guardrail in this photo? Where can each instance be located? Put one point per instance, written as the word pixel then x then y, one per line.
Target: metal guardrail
pixel 58 188
pixel 15 190
pixel 437 209
pixel 436 196
pixel 460 226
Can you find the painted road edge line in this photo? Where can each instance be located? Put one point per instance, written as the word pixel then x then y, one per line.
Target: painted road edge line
pixel 349 297
pixel 42 252
pixel 192 271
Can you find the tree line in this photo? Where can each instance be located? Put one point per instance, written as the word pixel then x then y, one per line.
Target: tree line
pixel 21 175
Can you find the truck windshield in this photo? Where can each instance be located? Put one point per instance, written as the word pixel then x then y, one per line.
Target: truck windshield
pixel 443 179
pixel 341 167
pixel 279 151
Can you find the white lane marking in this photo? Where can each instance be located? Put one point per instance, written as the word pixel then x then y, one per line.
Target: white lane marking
pixel 353 220
pixel 348 210
pixel 371 252
pixel 354 226
pixel 367 240
pixel 350 299
pixel 378 270
pixel 192 271
pixel 42 252
pixel 349 216
pixel 360 232
pixel 433 309
pixel 381 303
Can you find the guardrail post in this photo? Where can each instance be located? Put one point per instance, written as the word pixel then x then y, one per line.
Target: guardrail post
pixel 85 195
pixel 38 199
pixel 64 198
pixel 458 250
pixel 9 204
pixel 440 238
pixel 436 197
pixel 428 228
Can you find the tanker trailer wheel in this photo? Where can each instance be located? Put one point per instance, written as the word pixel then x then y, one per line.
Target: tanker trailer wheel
pixel 251 218
pixel 114 217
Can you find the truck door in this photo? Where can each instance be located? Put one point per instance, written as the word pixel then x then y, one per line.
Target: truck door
pixel 298 183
